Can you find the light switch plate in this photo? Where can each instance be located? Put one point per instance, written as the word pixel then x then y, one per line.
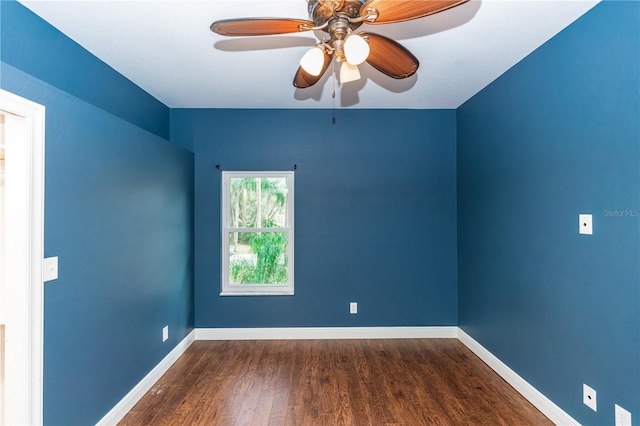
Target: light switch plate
pixel 586 224
pixel 623 417
pixel 589 397
pixel 50 269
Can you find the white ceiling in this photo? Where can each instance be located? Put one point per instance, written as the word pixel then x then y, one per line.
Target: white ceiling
pixel 166 48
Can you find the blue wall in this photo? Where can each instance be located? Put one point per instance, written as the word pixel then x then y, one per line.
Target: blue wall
pixel 375 213
pixel 118 213
pixel 379 219
pixel 45 53
pixel 556 136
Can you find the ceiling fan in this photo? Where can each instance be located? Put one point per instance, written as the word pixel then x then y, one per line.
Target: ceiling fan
pixel 340 19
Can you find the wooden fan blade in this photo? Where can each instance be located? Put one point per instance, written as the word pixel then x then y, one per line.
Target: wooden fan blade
pixel 390 57
pixel 405 10
pixel 260 26
pixel 303 79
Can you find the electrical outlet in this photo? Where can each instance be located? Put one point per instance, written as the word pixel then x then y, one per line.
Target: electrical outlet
pixel 589 397
pixel 623 417
pixel 586 224
pixel 165 333
pixel 353 307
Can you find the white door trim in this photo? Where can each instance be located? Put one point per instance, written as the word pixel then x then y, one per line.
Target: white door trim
pixel 27 275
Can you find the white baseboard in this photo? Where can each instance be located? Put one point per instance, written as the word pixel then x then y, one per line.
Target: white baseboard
pixel 122 408
pixel 541 402
pixel 298 333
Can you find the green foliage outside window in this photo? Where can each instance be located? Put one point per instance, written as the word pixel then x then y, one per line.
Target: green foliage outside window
pixel 270 264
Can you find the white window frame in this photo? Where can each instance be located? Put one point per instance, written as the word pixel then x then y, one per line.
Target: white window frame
pixel 228 289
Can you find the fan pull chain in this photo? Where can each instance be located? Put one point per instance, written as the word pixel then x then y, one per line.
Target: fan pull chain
pixel 333 93
pixel 333 85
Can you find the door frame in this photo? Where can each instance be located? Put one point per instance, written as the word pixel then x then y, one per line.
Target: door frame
pixel 31 180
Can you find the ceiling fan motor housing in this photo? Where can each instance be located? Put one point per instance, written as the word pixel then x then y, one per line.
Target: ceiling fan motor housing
pixel 340 19
pixel 321 11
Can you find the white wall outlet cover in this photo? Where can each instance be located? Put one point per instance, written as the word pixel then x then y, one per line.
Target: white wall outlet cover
pixel 589 397
pixel 353 307
pixel 165 333
pixel 50 269
pixel 586 224
pixel 623 417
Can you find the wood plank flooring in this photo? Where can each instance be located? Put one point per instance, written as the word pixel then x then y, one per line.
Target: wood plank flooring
pixel 332 382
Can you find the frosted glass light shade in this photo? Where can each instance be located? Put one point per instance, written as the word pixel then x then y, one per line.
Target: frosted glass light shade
pixel 349 73
pixel 356 49
pixel 313 61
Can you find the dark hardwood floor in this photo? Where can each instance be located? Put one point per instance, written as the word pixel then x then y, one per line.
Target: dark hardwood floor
pixel 332 382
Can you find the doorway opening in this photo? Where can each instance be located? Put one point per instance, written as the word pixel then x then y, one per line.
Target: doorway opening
pixel 21 254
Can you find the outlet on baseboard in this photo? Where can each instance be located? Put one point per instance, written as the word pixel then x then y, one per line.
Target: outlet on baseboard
pixel 623 417
pixel 165 333
pixel 353 307
pixel 589 397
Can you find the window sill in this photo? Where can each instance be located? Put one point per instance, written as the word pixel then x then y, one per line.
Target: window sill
pixel 258 293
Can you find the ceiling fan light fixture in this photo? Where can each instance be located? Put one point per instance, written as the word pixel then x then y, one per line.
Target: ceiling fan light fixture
pixel 349 73
pixel 356 49
pixel 339 19
pixel 313 61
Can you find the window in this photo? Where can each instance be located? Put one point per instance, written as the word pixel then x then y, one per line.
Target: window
pixel 257 233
